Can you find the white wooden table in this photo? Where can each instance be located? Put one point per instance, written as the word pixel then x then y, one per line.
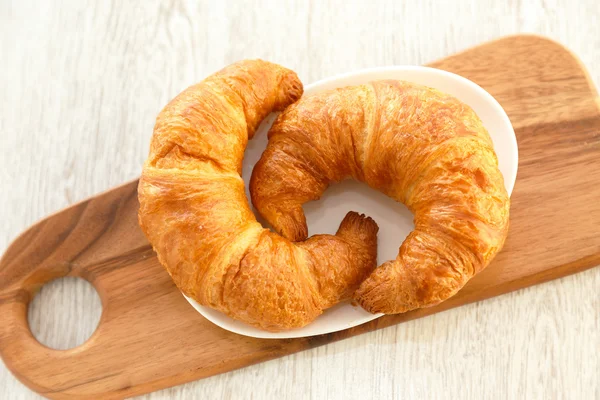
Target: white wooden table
pixel 80 86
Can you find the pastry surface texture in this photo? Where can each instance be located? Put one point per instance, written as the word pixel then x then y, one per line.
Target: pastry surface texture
pixel 194 211
pixel 419 146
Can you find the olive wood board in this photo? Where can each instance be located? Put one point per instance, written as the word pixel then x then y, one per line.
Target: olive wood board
pixel 150 338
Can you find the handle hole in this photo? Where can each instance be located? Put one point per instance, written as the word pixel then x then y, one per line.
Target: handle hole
pixel 64 313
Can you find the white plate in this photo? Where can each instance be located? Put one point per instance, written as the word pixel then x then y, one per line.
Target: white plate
pixel 394 219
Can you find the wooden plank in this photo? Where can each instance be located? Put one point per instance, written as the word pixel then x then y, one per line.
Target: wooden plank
pixel 150 338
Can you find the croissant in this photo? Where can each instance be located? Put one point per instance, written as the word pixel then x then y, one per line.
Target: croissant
pixel 417 145
pixel 194 210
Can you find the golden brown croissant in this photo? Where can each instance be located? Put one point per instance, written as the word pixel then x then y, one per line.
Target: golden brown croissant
pixel 421 147
pixel 194 210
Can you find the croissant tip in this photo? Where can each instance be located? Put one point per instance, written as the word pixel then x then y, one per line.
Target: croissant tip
pixel 372 300
pixel 361 221
pixel 359 227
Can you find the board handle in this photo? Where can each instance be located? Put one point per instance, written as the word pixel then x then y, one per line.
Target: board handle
pixel 17 343
pixel 82 241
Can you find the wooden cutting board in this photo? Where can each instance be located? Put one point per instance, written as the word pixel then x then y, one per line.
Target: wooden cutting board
pixel 150 338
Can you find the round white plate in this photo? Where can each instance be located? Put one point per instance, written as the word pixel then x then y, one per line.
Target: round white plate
pixel 394 219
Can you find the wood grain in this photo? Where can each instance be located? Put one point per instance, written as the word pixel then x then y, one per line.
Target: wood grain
pixel 149 337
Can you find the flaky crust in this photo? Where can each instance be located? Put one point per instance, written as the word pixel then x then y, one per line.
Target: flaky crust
pixel 417 145
pixel 194 210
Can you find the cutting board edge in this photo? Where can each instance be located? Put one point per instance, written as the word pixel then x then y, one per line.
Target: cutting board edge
pixel 593 87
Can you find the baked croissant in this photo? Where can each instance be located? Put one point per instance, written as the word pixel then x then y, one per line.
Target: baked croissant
pixel 194 210
pixel 417 145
